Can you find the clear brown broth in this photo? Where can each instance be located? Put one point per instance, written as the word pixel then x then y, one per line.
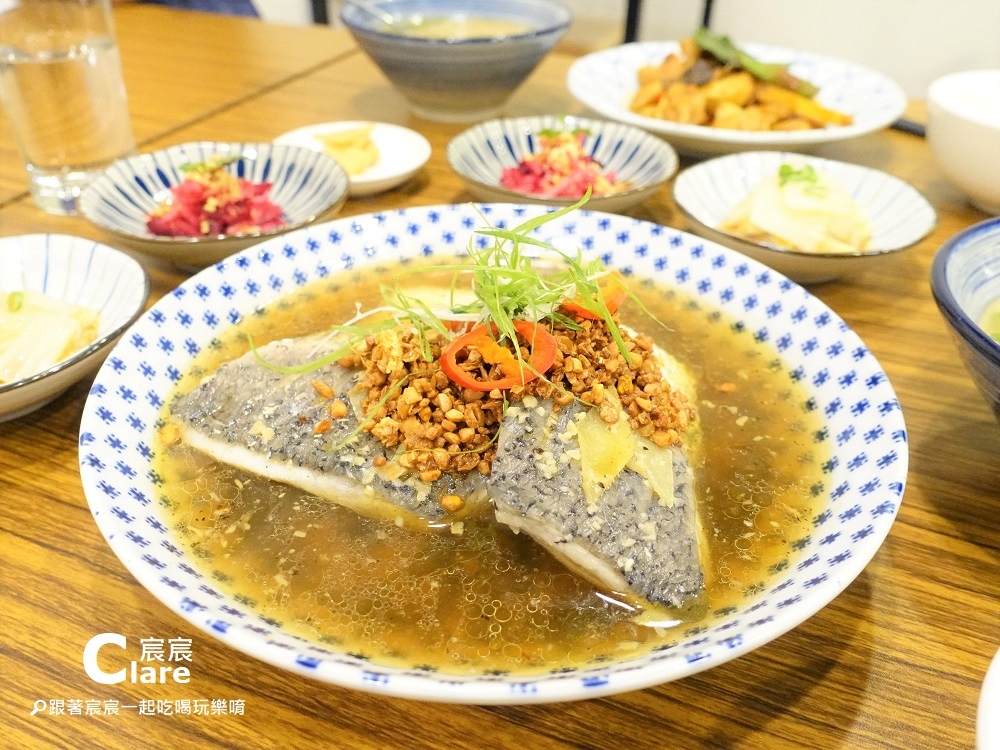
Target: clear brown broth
pixel 489 600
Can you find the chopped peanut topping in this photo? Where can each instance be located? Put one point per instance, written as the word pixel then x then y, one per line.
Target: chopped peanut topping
pixel 452 503
pixel 322 389
pixel 338 409
pixel 441 427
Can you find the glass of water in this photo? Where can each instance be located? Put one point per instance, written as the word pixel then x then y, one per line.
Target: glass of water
pixel 61 88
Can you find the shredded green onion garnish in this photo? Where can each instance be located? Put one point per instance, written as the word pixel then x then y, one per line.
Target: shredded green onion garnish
pixel 211 164
pixel 506 286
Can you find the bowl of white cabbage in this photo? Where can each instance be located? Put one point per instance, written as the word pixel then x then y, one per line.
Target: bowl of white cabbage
pixel 812 219
pixel 64 301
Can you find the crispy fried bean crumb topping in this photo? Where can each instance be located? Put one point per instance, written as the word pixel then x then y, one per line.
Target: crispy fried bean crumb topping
pixel 439 426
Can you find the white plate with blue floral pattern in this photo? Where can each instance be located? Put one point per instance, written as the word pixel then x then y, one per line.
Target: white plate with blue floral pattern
pixel 863 428
pixel 605 81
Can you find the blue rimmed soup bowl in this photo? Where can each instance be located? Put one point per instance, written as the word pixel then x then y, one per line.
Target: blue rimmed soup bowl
pixel 965 280
pixel 466 72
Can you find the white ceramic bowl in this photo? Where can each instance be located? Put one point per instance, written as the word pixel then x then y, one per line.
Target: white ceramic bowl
pixel 459 79
pixel 988 722
pixel 863 433
pixel 306 185
pixel 963 129
pixel 75 270
pixel 605 81
pixel 900 216
pixel 480 154
pixel 401 152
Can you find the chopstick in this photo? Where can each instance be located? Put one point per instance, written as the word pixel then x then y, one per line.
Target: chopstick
pixel 912 127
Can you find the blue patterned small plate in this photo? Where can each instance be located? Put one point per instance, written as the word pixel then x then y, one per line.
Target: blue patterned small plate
pixel 862 429
pixel 480 154
pixel 899 215
pixel 605 81
pixel 306 185
pixel 79 271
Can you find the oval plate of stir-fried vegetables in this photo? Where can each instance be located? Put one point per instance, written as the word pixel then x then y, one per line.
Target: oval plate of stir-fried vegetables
pixel 708 94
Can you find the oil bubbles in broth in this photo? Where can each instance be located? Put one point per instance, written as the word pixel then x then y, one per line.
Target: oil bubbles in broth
pixel 471 596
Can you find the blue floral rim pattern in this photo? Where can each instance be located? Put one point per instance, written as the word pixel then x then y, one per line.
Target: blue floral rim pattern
pixel 863 425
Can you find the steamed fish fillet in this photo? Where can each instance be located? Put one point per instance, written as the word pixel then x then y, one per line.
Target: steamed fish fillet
pixel 639 537
pixel 630 540
pixel 249 416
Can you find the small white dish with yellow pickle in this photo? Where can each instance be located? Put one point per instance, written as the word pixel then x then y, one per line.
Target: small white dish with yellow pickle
pixel 811 219
pixel 377 156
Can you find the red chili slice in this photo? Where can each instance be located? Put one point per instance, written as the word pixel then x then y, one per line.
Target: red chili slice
pixel 613 292
pixel 543 353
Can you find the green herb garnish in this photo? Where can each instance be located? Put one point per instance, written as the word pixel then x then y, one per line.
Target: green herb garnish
pixel 506 286
pixel 555 132
pixel 722 49
pixel 211 165
pixel 15 301
pixel 787 175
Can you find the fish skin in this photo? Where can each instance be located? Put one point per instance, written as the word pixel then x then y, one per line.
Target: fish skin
pixel 221 416
pixel 666 570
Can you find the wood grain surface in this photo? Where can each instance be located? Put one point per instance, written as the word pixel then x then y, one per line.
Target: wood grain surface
pixel 896 661
pixel 181 67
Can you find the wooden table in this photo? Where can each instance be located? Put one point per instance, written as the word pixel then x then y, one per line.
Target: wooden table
pixel 167 58
pixel 895 661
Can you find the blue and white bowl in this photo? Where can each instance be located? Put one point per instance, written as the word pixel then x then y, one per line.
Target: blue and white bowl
pixel 480 154
pixel 605 81
pixel 965 279
pixel 458 79
pixel 863 433
pixel 76 270
pixel 307 185
pixel 900 216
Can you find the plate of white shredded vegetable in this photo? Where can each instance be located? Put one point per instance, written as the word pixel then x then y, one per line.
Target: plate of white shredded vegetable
pixel 64 301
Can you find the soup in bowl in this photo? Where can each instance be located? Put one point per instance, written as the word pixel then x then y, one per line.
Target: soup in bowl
pixel 750 456
pixel 458 60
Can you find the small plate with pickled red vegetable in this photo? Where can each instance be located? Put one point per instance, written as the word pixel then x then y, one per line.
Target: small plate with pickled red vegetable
pixel 710 95
pixel 557 159
pixel 194 204
pixel 64 301
pixel 810 218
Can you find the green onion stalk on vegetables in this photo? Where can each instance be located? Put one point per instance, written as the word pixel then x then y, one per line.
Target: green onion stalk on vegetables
pixel 722 48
